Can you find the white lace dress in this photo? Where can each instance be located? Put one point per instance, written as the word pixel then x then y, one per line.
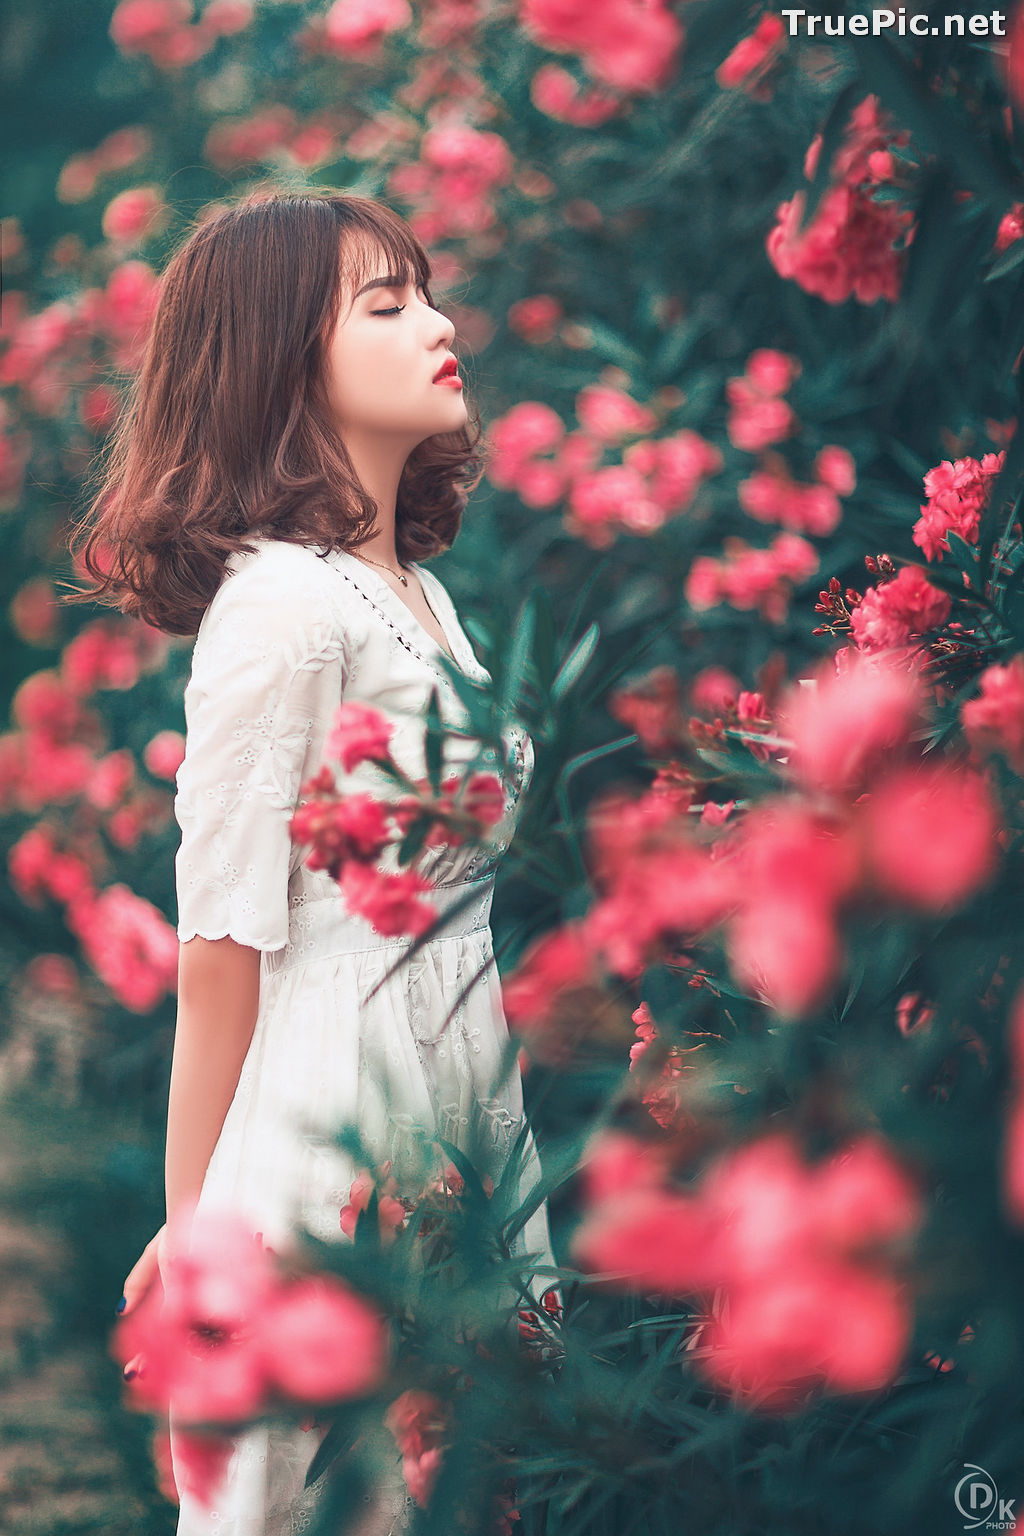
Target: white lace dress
pixel 287 636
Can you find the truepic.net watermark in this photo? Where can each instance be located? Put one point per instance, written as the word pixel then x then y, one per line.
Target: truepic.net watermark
pixel 901 23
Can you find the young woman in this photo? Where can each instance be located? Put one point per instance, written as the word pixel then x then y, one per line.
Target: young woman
pixel 298 441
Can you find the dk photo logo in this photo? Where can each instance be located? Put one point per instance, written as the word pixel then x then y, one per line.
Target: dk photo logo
pixel 976 1496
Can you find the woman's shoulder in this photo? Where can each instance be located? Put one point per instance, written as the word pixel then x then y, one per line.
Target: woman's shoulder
pixel 282 586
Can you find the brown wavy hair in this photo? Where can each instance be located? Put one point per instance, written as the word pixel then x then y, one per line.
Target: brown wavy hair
pixel 227 430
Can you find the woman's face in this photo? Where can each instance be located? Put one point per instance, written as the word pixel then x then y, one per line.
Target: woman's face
pixel 381 362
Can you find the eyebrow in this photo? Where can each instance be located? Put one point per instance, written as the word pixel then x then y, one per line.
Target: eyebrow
pixel 390 281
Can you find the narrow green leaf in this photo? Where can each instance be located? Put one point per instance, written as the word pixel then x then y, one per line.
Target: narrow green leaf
pixel 575 662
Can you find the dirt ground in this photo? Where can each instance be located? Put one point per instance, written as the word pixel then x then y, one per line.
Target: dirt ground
pixel 72 1460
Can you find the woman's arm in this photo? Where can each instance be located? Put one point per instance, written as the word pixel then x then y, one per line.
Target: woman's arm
pixel 218 1000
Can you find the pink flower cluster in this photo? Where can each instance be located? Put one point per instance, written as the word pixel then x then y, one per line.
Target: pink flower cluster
pixel 661 1095
pixel 164 32
pixel 133 215
pixel 451 187
pixel 47 355
pixel 869 820
pixel 752 57
pixel 420 1423
pixel 957 494
pixel 750 578
pixel 228 1334
pixel 655 478
pixel 771 496
pixel 119 150
pixel 994 721
pixel 354 29
pixel 894 614
pixel 266 134
pixel 758 415
pixel 1011 227
pixel 349 833
pixel 630 45
pixel 798 1264
pixel 850 248
pixel 557 93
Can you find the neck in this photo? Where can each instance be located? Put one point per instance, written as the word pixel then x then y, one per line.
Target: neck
pixel 378 466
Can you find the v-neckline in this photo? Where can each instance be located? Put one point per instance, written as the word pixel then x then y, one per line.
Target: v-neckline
pixel 390 595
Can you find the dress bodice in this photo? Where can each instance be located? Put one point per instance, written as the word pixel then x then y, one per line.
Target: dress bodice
pixel 288 636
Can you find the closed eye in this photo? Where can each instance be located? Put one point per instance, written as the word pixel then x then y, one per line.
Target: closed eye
pixel 396 309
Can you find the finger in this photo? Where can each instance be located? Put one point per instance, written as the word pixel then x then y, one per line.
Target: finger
pixel 140 1277
pixel 134 1367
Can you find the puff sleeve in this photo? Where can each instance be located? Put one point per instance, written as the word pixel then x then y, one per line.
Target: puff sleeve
pixel 268 671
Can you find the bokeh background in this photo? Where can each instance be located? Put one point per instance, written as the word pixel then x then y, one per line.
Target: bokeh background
pixel 726 297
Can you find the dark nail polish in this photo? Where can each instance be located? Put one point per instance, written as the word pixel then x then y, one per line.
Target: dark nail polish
pixel 121 1304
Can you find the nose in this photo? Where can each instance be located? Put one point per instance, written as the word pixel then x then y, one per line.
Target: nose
pixel 442 330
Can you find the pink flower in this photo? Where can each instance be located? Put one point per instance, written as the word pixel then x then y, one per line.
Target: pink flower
pixel 224 1335
pixel 523 432
pixel 930 835
pixel 793 870
pixel 994 721
pixel 356 26
pixel 201 1460
pixel 755 421
pixel 390 902
pixel 631 45
pixel 610 414
pixel 200 1330
pixel 484 798
pixel 536 319
pixel 164 754
pixel 33 611
pixel 129 944
pixel 752 53
pixel 800 1252
pixel 552 964
pixel 896 612
pixel 787 953
pixel 714 689
pixel 419 1422
pixel 848 250
pixel 845 724
pixel 835 468
pixel 813 1323
pixel 771 372
pixel 752 578
pixel 322 1342
pixel 133 215
pixel 557 94
pixel 1011 227
pixel 359 733
pixel 138 24
pixel 957 494
pixel 772 497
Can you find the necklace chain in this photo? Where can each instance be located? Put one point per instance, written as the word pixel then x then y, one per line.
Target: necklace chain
pixel 402 578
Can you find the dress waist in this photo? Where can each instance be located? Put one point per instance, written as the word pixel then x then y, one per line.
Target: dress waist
pixel 322 926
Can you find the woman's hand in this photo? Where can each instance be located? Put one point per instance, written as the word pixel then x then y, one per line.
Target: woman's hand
pixel 145 1274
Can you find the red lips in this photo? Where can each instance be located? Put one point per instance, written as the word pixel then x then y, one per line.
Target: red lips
pixel 448 369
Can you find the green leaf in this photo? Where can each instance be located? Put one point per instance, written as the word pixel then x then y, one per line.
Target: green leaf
pixel 575 662
pixel 518 655
pixel 833 133
pixel 435 741
pixel 965 555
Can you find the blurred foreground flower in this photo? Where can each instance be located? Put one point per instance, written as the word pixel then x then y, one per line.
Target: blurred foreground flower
pixel 808 1257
